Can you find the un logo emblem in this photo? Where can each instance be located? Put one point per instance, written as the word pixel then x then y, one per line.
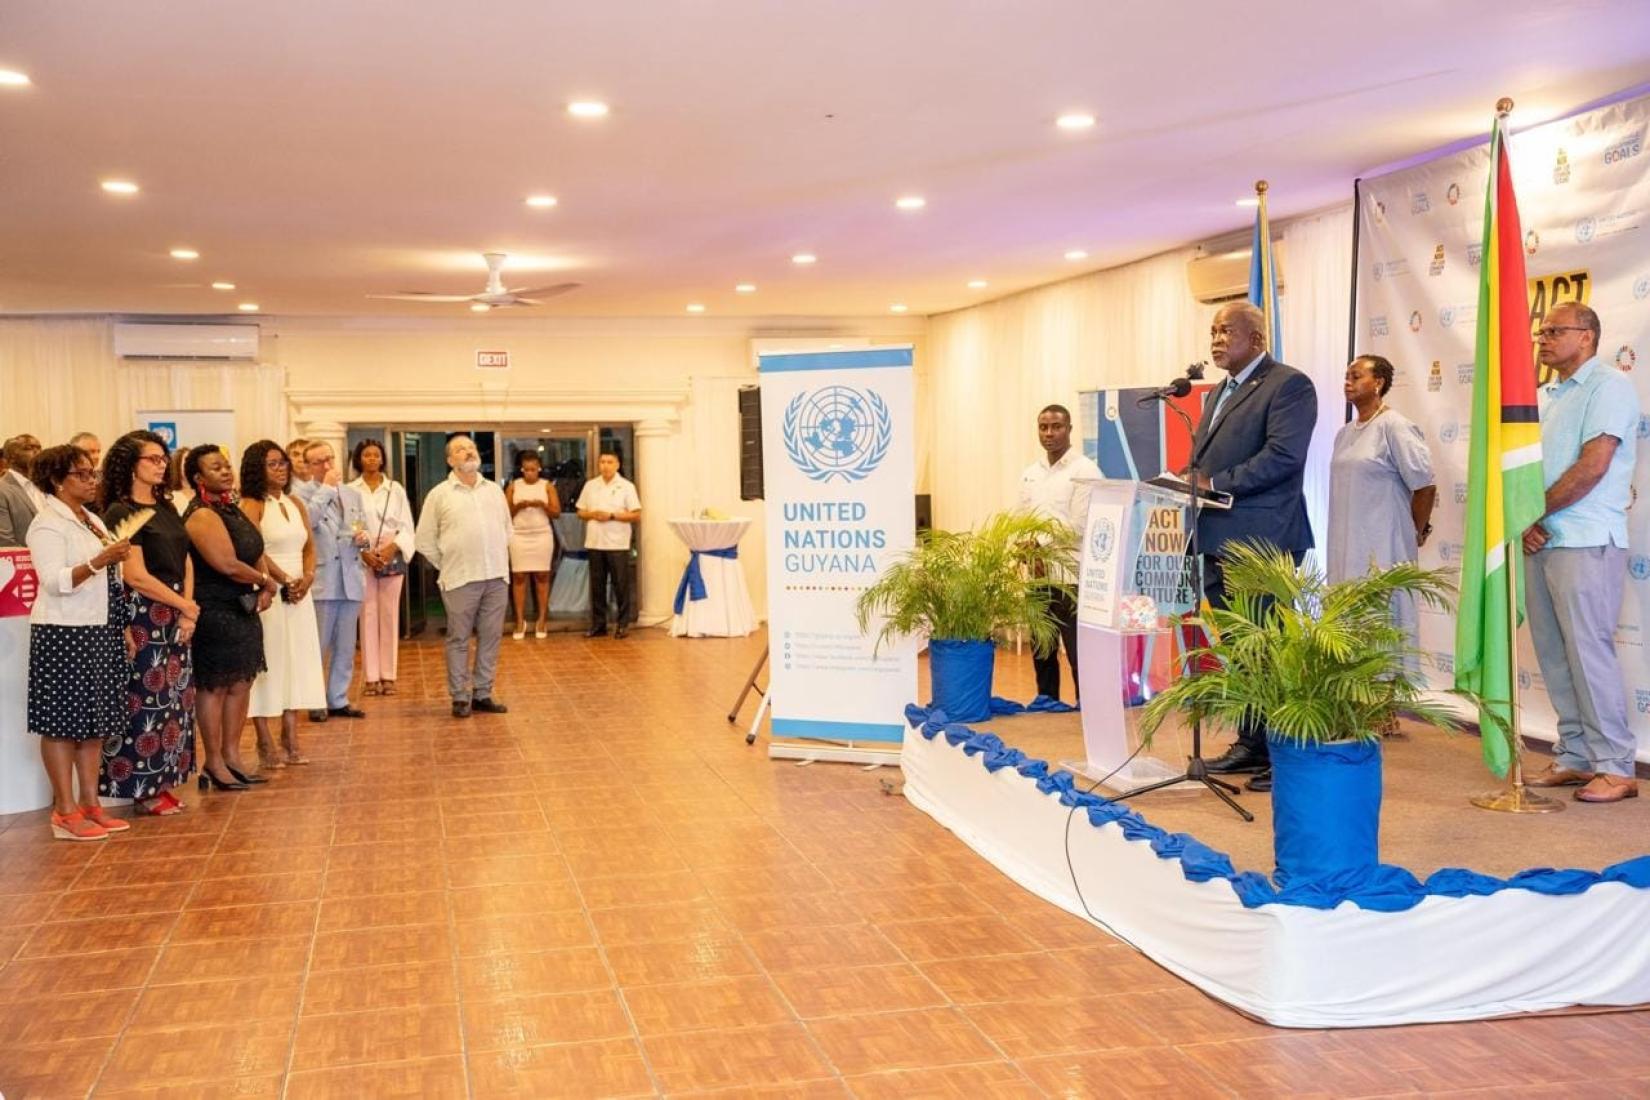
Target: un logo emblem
pixel 1639 566
pixel 1585 230
pixel 837 432
pixel 1102 540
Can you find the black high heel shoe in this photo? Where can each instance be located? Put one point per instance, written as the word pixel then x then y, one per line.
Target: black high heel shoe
pixel 209 782
pixel 246 780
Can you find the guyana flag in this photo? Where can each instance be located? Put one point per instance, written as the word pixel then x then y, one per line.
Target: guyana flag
pixel 1505 488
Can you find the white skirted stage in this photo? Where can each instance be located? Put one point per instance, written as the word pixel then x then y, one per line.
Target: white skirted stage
pixel 1393 949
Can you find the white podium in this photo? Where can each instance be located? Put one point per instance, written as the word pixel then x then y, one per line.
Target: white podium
pixel 1133 589
pixel 23 783
pixel 712 600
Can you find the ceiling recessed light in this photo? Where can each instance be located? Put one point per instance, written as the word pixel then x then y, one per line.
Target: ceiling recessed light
pixel 977 284
pixel 11 78
pixel 185 254
pixel 804 258
pixel 479 307
pixel 587 108
pixel 910 202
pixel 696 307
pixel 541 202
pixel 898 307
pixel 1076 120
pixel 248 307
pixel 119 187
pixel 223 286
pixel 745 288
pixel 1250 201
pixel 1077 254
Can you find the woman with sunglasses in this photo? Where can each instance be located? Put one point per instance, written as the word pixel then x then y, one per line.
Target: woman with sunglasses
pixel 158 751
pixel 77 664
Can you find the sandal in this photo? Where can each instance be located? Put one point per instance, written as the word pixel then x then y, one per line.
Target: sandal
pixel 104 820
pixel 76 826
pixel 162 805
pixel 387 687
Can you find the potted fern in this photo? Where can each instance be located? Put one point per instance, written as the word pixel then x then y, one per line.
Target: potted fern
pixel 1329 670
pixel 963 588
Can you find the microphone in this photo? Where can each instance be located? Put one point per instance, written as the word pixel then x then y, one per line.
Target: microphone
pixel 1180 387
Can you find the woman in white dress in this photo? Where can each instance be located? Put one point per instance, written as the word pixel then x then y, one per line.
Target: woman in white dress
pixel 390 547
pixel 533 504
pixel 292 680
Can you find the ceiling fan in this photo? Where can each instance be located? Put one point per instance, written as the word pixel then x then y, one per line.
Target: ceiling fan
pixel 496 293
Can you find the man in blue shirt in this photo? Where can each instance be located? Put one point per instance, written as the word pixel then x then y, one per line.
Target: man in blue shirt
pixel 337 522
pixel 1576 557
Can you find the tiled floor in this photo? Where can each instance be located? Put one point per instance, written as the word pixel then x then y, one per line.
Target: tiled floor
pixel 605 893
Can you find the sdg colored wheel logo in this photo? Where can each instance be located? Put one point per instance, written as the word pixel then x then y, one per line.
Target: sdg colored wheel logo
pixel 837 432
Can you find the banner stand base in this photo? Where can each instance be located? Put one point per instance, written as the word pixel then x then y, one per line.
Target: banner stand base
pixel 1138 772
pixel 833 752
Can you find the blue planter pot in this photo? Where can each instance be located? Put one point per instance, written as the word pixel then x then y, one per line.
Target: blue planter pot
pixel 961 675
pixel 1326 810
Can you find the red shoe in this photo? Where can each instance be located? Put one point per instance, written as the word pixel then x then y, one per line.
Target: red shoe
pixel 102 818
pixel 77 826
pixel 162 805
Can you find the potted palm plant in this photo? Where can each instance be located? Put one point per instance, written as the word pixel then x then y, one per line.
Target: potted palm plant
pixel 1328 669
pixel 962 589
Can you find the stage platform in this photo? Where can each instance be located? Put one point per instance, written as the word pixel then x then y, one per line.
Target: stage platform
pixel 1465 920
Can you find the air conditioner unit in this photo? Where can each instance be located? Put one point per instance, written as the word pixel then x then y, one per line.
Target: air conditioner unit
pixel 1223 276
pixel 137 340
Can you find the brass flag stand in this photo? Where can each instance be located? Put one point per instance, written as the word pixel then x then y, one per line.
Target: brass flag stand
pixel 1515 798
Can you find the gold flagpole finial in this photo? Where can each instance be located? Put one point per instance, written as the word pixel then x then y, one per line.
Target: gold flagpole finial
pixel 1260 187
pixel 1503 107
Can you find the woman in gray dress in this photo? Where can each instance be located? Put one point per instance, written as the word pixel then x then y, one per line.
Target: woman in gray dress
pixel 1380 488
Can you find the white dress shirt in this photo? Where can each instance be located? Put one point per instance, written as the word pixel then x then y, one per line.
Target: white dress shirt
pixel 387 509
pixel 464 531
pixel 618 495
pixel 1051 490
pixel 58 542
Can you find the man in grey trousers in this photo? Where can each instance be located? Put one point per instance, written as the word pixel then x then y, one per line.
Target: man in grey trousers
pixel 1576 557
pixel 464 531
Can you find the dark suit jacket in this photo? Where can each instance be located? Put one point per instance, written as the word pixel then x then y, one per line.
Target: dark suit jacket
pixel 1257 452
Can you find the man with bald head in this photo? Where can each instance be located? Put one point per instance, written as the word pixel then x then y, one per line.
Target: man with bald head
pixel 1251 443
pixel 1575 556
pixel 464 531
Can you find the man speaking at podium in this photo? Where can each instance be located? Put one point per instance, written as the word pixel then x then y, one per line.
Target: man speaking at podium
pixel 1251 443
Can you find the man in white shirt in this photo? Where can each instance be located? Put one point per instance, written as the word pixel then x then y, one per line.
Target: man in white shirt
pixel 464 531
pixel 609 506
pixel 1049 488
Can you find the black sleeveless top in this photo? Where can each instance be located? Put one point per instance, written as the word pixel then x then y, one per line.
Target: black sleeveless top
pixel 211 585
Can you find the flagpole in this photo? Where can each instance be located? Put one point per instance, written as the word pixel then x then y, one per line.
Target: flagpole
pixel 1515 798
pixel 1268 286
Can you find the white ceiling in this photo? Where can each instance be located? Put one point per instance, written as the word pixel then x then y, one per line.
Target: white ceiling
pixel 315 151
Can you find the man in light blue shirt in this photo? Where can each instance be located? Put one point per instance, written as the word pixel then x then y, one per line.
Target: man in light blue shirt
pixel 1576 557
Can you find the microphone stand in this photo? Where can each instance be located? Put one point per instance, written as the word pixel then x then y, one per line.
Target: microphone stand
pixel 1197 770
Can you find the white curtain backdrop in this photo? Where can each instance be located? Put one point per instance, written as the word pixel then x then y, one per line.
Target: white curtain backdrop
pixel 1315 313
pixel 61 376
pixel 990 368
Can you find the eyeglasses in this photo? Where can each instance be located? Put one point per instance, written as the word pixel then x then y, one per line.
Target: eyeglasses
pixel 159 459
pixel 1547 332
pixel 276 463
pixel 84 473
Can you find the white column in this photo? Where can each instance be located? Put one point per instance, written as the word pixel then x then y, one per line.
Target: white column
pixel 656 568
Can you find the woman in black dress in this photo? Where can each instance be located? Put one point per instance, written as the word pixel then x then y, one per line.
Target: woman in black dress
pixel 77 668
pixel 232 585
pixel 157 751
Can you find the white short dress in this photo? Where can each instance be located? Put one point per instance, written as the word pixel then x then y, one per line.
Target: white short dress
pixel 531 543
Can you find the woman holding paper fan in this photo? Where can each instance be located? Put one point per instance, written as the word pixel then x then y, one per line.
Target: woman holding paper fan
pixel 158 751
pixel 1381 488
pixel 77 666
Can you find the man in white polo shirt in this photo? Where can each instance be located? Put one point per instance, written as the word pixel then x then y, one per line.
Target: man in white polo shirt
pixel 464 531
pixel 609 507
pixel 1048 487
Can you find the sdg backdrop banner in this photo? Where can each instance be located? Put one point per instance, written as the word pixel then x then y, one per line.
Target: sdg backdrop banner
pixel 840 469
pixel 1583 187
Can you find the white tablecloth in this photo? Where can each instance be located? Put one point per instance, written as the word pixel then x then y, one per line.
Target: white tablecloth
pixel 726 610
pixel 570 588
pixel 23 784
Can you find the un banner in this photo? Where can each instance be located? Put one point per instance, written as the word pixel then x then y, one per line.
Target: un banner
pixel 840 492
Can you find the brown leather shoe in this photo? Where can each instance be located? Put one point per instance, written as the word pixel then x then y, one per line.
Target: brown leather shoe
pixel 1554 776
pixel 1608 788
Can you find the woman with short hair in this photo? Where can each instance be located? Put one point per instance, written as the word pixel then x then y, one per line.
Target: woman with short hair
pixel 77 662
pixel 389 550
pixel 158 751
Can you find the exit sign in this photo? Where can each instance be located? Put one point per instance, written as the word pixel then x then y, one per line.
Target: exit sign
pixel 493 360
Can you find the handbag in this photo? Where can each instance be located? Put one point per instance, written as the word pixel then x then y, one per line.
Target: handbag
pixel 248 601
pixel 397 565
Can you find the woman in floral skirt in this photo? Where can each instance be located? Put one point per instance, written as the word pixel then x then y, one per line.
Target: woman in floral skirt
pixel 157 750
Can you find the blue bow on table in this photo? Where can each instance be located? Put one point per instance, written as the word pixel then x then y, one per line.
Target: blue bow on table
pixel 693 580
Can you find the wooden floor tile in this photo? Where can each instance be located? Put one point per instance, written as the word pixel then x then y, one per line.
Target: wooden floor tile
pixel 779 1054
pixel 998 1080
pixel 720 1004
pixel 1159 1072
pixel 542 1020
pixel 204 1052
pixel 606 1069
pixel 424 1079
pixel 901 1040
pixel 851 990
pixel 381 1035
pixel 499 976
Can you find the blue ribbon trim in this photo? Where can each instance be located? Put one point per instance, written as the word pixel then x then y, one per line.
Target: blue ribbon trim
pixel 693 580
pixel 1382 888
pixel 576 555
